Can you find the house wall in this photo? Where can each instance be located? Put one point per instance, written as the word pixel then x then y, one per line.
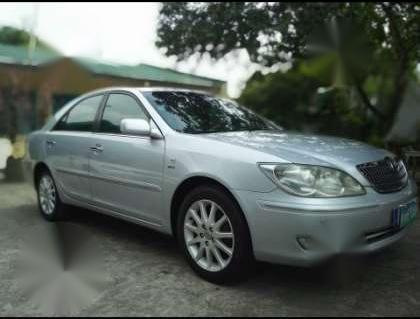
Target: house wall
pixel 45 89
pixel 29 95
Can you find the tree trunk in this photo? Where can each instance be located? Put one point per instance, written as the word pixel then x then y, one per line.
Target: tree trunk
pixel 402 66
pixel 358 85
pixel 365 100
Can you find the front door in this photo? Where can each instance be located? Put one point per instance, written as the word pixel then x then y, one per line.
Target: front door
pixel 126 171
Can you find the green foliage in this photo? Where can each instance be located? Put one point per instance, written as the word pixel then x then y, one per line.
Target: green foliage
pixel 300 100
pixel 19 37
pixel 370 49
pixel 13 36
pixel 281 97
pixel 269 31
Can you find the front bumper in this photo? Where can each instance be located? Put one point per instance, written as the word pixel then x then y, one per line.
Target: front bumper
pixel 303 231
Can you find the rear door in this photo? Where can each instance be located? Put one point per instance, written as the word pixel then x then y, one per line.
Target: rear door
pixel 126 171
pixel 68 147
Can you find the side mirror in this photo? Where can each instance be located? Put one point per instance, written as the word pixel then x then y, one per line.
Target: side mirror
pixel 139 127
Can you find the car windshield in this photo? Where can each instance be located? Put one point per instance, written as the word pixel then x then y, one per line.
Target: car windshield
pixel 195 113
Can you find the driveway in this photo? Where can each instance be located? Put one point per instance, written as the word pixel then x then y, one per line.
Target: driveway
pixel 144 274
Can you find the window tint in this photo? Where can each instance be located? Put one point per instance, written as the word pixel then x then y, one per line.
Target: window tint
pixel 118 107
pixel 196 113
pixel 82 116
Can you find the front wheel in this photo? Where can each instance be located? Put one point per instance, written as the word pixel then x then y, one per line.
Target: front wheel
pixel 214 235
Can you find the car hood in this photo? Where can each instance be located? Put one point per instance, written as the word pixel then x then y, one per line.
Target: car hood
pixel 304 148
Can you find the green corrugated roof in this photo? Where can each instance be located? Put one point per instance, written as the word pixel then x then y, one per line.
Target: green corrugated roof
pixel 146 72
pixel 19 55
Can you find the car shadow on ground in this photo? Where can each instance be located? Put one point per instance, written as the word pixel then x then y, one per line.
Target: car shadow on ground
pixel 335 273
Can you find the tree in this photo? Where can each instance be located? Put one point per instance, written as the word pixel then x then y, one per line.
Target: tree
pixel 301 99
pixel 369 40
pixel 16 101
pixel 18 37
pixel 13 36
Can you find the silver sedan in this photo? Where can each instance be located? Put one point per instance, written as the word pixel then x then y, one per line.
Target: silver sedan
pixel 231 186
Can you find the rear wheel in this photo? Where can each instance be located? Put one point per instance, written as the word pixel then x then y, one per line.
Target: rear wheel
pixel 214 235
pixel 49 202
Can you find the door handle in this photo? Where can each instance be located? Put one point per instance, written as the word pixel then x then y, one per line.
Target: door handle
pixel 97 148
pixel 50 143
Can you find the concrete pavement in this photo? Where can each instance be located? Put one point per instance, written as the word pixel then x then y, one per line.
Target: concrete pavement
pixel 148 276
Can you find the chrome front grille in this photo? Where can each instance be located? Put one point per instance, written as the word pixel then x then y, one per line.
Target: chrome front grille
pixel 386 176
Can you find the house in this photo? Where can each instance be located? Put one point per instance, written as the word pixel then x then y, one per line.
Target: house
pixel 33 87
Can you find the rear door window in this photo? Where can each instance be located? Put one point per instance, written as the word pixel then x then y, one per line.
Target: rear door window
pixel 82 116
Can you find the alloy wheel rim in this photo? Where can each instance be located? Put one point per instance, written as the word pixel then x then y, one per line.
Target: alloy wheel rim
pixel 47 195
pixel 208 235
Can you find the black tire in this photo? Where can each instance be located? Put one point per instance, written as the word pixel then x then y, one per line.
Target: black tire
pixel 59 210
pixel 242 260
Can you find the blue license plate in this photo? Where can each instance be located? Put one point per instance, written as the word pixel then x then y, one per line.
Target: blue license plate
pixel 404 215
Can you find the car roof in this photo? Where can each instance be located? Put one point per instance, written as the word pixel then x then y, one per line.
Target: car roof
pixel 157 88
pixel 147 89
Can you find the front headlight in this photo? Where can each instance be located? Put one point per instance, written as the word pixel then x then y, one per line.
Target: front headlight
pixel 312 181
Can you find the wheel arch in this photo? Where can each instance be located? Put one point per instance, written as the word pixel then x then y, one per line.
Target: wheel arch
pixel 38 169
pixel 187 185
